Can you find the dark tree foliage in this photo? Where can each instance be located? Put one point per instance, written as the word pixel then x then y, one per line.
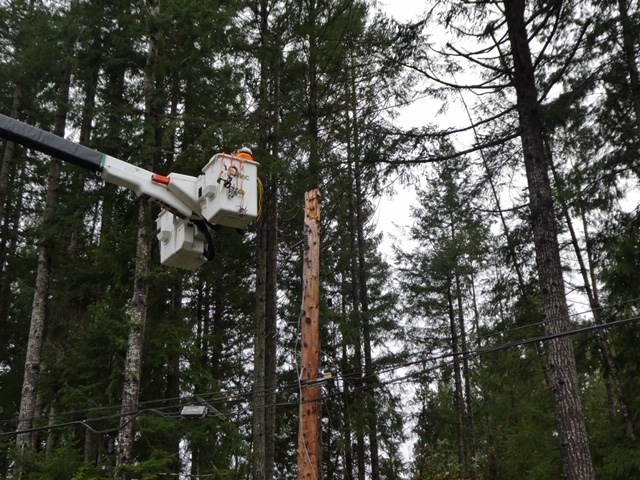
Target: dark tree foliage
pixel 436 358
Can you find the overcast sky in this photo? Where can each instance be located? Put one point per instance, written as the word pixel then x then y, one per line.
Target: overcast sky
pixel 393 213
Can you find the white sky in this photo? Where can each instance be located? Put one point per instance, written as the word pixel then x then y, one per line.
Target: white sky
pixel 393 215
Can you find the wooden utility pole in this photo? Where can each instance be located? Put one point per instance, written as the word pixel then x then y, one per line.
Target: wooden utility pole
pixel 309 434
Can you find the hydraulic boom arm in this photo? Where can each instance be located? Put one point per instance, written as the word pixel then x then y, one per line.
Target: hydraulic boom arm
pixel 225 194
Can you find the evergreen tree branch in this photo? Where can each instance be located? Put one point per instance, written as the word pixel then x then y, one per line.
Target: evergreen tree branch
pixel 479 86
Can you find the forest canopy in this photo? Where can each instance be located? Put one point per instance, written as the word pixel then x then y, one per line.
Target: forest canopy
pixel 490 337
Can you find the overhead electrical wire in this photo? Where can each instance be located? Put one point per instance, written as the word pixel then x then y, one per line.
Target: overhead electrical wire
pixel 345 375
pixel 444 342
pixel 543 322
pixel 448 356
pixel 352 374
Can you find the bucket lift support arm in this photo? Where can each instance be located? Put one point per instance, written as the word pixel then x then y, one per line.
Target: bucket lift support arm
pixel 111 169
pixel 224 194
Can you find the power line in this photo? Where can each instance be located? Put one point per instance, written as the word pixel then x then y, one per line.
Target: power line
pixel 83 423
pixel 569 316
pixel 444 342
pixel 449 356
pixel 469 354
pixel 345 375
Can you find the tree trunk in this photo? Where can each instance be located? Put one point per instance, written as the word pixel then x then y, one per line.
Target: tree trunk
pixel 313 129
pixel 52 434
pixel 136 319
pixel 8 157
pixel 458 395
pixel 16 104
pixel 346 405
pixel 173 366
pixel 33 366
pixel 90 447
pixel 628 42
pixel 115 86
pixel 265 343
pixel 572 433
pixel 260 332
pixel 10 236
pixel 137 312
pixel 356 302
pixel 5 238
pixel 360 246
pixel 271 288
pixel 615 396
pixel 271 334
pixel 466 377
pixel 259 359
pixel 370 377
pixel 78 179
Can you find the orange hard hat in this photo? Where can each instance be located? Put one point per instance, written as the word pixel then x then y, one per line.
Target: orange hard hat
pixel 244 153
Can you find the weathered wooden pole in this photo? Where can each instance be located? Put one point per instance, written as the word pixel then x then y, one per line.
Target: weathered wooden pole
pixel 309 433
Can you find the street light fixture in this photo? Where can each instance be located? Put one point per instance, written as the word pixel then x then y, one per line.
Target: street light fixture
pixel 193 411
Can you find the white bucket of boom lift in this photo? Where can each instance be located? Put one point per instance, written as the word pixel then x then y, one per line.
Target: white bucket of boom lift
pixel 225 194
pixel 228 191
pixel 181 243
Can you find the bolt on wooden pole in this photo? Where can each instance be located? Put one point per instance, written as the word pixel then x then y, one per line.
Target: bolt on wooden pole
pixel 309 432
